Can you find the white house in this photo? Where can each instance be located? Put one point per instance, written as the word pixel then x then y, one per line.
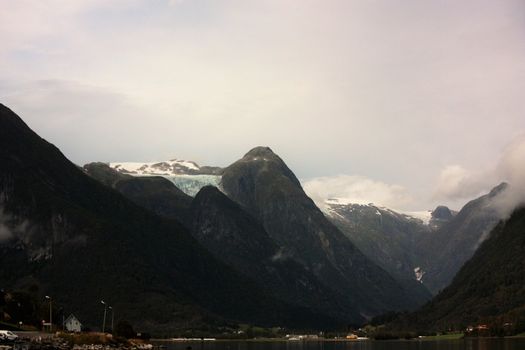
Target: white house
pixel 72 324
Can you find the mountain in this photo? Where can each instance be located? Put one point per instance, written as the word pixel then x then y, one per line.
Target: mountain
pixel 387 237
pixel 188 176
pixel 236 238
pixel 67 235
pixel 264 186
pixel 455 238
pixel 169 167
pixel 441 216
pixel 427 246
pixel 152 192
pixel 489 288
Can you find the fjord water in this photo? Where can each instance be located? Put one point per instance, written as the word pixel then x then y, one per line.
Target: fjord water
pixel 460 344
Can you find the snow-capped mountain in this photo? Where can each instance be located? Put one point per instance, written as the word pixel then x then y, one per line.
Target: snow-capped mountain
pixel 169 167
pixel 331 205
pixel 187 175
pixel 386 236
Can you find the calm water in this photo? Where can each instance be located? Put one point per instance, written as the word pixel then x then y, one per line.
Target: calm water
pixel 470 344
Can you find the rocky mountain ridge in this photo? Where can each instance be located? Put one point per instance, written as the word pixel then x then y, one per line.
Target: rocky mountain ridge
pixel 488 289
pixel 264 186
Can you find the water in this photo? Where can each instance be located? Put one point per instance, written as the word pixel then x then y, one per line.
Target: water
pixel 460 344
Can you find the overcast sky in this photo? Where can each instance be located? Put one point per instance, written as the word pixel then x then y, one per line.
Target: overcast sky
pixel 411 103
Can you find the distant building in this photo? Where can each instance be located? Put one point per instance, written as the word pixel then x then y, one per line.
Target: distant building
pixel 72 324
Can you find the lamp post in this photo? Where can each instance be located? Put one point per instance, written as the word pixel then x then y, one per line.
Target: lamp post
pixel 104 322
pixel 112 319
pixel 50 313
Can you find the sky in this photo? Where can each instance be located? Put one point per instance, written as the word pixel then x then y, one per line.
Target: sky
pixel 406 104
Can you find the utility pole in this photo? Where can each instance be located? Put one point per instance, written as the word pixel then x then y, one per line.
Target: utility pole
pixel 104 322
pixel 112 319
pixel 50 313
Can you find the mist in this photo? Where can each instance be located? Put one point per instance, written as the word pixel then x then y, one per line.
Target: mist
pixel 512 169
pixel 5 231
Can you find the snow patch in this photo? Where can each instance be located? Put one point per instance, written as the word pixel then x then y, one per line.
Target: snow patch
pixel 419 273
pixel 173 166
pixel 424 216
pixel 332 212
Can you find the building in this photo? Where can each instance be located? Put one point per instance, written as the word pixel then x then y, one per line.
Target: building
pixel 72 324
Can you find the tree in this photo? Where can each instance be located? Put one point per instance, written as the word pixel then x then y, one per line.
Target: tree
pixel 124 329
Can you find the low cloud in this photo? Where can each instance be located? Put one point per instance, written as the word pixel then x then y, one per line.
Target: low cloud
pixel 357 189
pixel 5 232
pixel 10 226
pixel 456 182
pixel 511 168
pixel 71 115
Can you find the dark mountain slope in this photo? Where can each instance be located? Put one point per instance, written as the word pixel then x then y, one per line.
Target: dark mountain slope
pixel 79 241
pixel 388 238
pixel 441 216
pixel 445 250
pixel 238 239
pixel 152 192
pixel 263 184
pixel 489 288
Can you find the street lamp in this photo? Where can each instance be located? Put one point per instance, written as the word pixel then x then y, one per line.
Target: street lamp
pixel 50 313
pixel 112 319
pixel 104 322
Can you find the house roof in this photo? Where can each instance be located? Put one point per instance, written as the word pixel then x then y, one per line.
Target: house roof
pixel 72 318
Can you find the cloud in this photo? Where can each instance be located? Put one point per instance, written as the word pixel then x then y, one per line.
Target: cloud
pixel 394 89
pixel 7 228
pixel 5 232
pixel 87 122
pixel 356 189
pixel 457 183
pixel 10 226
pixel 511 168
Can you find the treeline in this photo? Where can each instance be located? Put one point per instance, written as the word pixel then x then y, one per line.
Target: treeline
pixel 24 309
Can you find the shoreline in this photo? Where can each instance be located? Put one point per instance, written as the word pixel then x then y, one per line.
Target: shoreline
pixel 324 340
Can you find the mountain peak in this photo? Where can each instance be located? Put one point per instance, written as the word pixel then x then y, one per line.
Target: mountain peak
pixel 259 161
pixel 10 123
pixel 260 152
pixel 442 213
pixel 498 189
